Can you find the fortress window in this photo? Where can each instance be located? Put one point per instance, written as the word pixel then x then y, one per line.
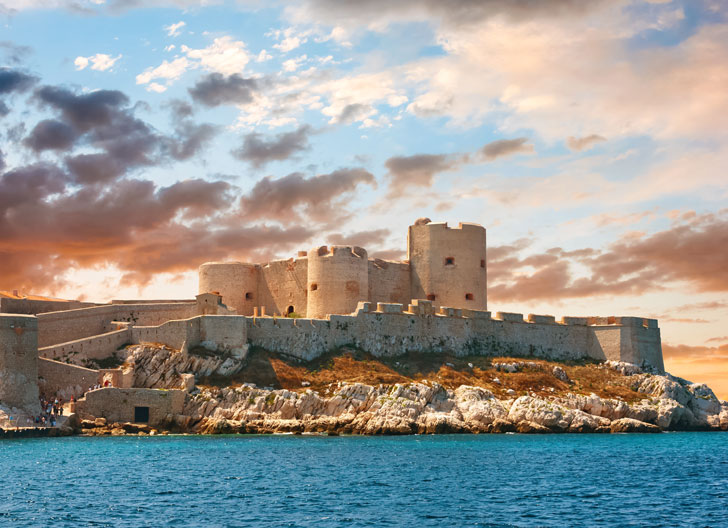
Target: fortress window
pixel 431 297
pixel 248 296
pixel 314 287
pixel 468 296
pixel 449 261
pixel 482 263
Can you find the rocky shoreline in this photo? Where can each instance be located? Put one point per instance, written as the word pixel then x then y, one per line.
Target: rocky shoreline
pixel 498 395
pixel 420 408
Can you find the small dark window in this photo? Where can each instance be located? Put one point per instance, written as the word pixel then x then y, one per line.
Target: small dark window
pixel 431 297
pixel 289 311
pixel 314 287
pixel 141 414
pixel 248 296
pixel 449 261
pixel 468 296
pixel 482 263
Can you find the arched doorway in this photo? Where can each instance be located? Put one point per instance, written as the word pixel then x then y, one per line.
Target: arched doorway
pixel 289 311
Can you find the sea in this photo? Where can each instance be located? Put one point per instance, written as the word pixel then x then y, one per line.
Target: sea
pixel 622 480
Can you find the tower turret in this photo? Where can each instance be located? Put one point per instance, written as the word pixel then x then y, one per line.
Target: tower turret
pixel 236 282
pixel 338 278
pixel 448 264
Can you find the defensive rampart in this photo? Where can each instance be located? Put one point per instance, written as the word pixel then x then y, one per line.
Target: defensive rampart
pixel 390 331
pixel 71 325
pixel 61 379
pixel 95 347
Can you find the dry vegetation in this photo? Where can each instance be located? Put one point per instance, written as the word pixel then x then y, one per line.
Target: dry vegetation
pixel 267 369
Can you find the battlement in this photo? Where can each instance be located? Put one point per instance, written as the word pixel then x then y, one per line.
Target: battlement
pixel 462 226
pixel 338 252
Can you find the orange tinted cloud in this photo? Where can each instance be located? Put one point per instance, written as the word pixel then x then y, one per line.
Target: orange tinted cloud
pixel 694 250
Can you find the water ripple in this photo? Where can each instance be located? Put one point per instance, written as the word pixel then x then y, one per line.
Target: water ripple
pixel 677 479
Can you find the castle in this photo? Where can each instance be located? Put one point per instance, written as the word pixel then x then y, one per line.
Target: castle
pixel 326 298
pixel 444 265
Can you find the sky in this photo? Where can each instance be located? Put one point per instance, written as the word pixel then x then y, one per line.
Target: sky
pixel 139 139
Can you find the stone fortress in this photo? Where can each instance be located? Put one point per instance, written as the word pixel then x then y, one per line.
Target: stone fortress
pixel 326 298
pixel 444 265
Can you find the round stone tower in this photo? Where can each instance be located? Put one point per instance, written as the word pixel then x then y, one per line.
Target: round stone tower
pixel 338 278
pixel 448 264
pixel 236 282
pixel 19 362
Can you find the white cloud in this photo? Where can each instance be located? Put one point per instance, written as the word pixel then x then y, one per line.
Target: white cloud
pixel 263 56
pixel 156 87
pixel 98 62
pixel 224 55
pixel 169 71
pixel 293 64
pixel 175 30
pixel 288 44
pixel 81 63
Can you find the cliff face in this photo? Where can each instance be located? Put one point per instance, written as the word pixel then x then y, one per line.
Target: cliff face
pixel 668 404
pixel 350 395
pixel 160 367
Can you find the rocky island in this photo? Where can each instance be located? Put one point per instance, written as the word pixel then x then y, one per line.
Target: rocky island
pixel 332 342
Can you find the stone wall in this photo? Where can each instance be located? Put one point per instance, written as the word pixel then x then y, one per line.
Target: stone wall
pixel 19 362
pixel 282 283
pixel 62 379
pixel 95 347
pixel 388 331
pixel 172 333
pixel 62 327
pixel 389 282
pixel 32 306
pixel 117 405
pixel 216 332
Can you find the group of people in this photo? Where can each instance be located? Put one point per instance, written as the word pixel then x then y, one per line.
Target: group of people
pixel 49 412
pixel 107 383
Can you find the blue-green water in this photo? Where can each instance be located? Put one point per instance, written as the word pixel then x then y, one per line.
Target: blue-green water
pixel 675 479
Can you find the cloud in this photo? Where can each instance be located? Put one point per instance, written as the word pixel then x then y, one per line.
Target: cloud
pixel 225 56
pixel 104 120
pixel 699 353
pixel 50 134
pixel 505 147
pixel 87 210
pixel 14 52
pixel 259 151
pixel 216 89
pixel 15 81
pixel 354 112
pixel 263 56
pixel 379 14
pixel 365 239
pixel 692 252
pixel 583 143
pixel 168 71
pixel 416 171
pixel 175 30
pixel 99 62
pixel 318 197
